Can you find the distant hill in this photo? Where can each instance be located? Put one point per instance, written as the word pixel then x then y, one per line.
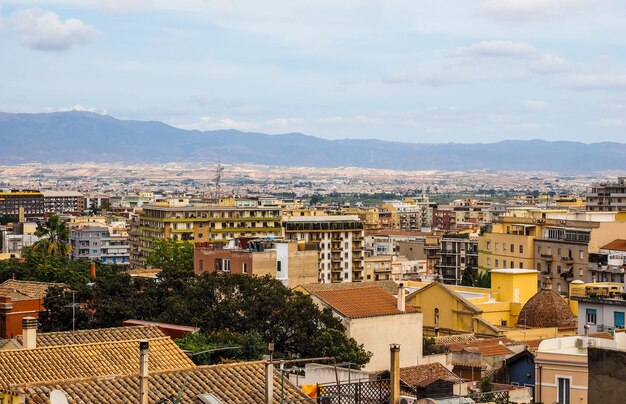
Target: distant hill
pixel 83 136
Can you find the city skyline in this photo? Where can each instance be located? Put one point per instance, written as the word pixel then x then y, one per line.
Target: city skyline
pixel 402 71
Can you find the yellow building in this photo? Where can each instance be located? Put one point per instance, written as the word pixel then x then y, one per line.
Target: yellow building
pixel 460 309
pixel 369 216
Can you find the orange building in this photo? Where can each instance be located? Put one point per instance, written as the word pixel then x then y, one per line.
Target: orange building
pixel 19 299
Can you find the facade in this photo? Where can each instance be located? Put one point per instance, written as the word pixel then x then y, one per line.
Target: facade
pixel 97 243
pixel 458 252
pixel 369 216
pixel 340 241
pixel 63 201
pixel 609 263
pixel 201 223
pixel 19 299
pixel 561 367
pixel 31 202
pixel 601 307
pixel 556 244
pixel 292 263
pixel 376 319
pixel 607 196
pixel 411 214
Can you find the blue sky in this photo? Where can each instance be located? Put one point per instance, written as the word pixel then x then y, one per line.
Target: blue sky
pixel 416 70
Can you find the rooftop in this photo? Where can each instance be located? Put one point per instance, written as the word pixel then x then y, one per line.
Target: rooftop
pixel 362 302
pixel 26 290
pixel 237 383
pixel 618 245
pixel 114 334
pixel 66 362
pixel 513 271
pixel 389 286
pixel 547 309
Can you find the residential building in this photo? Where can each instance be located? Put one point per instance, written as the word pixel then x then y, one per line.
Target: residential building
pixel 19 299
pixel 459 252
pixel 609 263
pixel 562 367
pixel 601 306
pixel 63 201
pixel 376 319
pixel 31 202
pixel 411 214
pixel 12 243
pixel 607 376
pixel 135 200
pixel 607 196
pixel 97 243
pixel 293 263
pixel 557 243
pixel 340 241
pixel 178 219
pixel 369 216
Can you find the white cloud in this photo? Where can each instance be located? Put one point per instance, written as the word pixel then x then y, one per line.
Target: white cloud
pixel 43 30
pixel 125 6
pixel 532 9
pixel 548 64
pixel 78 107
pixel 284 122
pixel 209 123
pixel 613 122
pixel 534 105
pixel 596 82
pixel 359 119
pixel 508 49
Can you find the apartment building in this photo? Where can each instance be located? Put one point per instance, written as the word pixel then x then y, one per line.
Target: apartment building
pixel 458 253
pixel 97 243
pixel 340 241
pixel 607 196
pixel 601 306
pixel 609 263
pixel 369 216
pixel 63 201
pixel 557 245
pixel 32 203
pixel 201 223
pixel 411 214
pixel 293 263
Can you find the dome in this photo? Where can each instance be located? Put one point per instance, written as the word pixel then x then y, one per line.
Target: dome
pixel 547 309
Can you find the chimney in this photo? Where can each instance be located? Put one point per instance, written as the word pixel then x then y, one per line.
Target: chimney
pixel 394 374
pixel 269 382
pixel 93 269
pixel 29 332
pixel 401 298
pixel 143 372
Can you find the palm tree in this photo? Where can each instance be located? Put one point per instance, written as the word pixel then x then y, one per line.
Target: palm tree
pixel 55 237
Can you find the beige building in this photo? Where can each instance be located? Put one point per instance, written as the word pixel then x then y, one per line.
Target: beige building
pixel 561 367
pixel 340 242
pixel 202 223
pixel 376 319
pixel 411 214
pixel 556 244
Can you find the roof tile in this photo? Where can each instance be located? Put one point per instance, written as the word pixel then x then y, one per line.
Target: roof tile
pixel 363 302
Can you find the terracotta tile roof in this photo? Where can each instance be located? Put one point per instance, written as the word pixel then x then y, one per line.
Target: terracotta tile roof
pixel 96 335
pixel 363 302
pixel 619 245
pixel 150 273
pixel 415 375
pixel 26 290
pixel 389 286
pixel 604 335
pixel 64 362
pixel 237 383
pixel 547 309
pixel 397 233
pixel 485 346
pixel 532 345
pixel 454 339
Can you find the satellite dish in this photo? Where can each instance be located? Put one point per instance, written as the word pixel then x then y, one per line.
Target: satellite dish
pixel 58 397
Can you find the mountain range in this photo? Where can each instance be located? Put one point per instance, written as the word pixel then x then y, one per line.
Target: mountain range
pixel 77 136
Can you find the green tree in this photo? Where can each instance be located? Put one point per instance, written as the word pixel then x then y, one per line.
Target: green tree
pixel 335 343
pixel 223 346
pixel 174 257
pixel 469 277
pixel 56 237
pixel 58 313
pixel 483 280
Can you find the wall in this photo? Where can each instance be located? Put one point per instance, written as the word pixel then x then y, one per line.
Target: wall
pixel 13 313
pixel 605 314
pixel 377 333
pixel 208 257
pixel 551 366
pixel 607 375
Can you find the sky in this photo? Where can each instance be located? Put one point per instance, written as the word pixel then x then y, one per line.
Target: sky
pixel 432 71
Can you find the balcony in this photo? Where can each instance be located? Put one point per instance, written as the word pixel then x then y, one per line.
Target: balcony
pixel 547 257
pixel 567 259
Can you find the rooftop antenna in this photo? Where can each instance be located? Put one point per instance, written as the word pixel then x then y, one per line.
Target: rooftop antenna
pixel 218 178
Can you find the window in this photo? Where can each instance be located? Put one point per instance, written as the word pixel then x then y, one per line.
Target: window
pixel 278 266
pixel 496 246
pixel 227 265
pixel 497 263
pixel 503 263
pixel 201 264
pixel 503 247
pixel 580 272
pixel 512 264
pixel 539 266
pixel 488 261
pixel 581 254
pixel 563 390
pixel 521 265
pixel 512 248
pixel 488 245
pixel 94 251
pixel 244 267
pixel 218 264
pixel 199 235
pixel 618 319
pixel 521 249
pixel 436 317
pixel 591 316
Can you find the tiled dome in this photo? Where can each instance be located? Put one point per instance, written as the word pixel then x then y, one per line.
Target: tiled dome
pixel 547 309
